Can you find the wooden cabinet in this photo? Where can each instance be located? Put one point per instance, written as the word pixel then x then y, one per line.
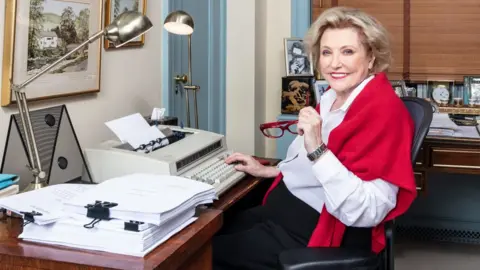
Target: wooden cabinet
pixel 431 39
pixel 420 181
pixel 447 155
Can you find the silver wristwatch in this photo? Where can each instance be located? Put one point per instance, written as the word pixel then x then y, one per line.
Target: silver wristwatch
pixel 318 152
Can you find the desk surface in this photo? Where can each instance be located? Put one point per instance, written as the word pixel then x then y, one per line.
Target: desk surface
pixel 19 254
pixel 452 139
pixel 234 194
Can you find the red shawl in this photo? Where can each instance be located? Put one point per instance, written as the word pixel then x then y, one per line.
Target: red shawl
pixel 373 141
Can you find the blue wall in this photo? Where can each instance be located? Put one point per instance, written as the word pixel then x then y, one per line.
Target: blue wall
pixel 301 10
pixel 208 62
pixel 300 24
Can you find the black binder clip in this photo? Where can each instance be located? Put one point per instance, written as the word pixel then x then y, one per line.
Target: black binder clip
pixel 29 217
pixel 98 211
pixel 133 225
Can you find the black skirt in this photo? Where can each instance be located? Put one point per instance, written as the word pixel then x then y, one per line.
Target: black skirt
pixel 255 237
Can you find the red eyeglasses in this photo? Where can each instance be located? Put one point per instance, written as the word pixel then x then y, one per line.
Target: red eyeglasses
pixel 277 129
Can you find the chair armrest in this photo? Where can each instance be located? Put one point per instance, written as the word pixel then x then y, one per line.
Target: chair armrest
pixel 328 258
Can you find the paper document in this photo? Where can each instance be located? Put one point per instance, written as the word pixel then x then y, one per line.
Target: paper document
pixel 144 210
pixel 148 198
pixel 441 120
pixel 146 136
pixel 113 245
pixel 47 201
pixel 134 130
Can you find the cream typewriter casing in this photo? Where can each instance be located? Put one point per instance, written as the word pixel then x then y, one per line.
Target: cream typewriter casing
pixel 113 158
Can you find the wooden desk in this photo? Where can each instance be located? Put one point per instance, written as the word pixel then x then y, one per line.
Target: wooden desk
pixel 446 155
pixel 188 250
pixel 241 189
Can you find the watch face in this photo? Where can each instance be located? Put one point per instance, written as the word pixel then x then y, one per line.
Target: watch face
pixel 440 93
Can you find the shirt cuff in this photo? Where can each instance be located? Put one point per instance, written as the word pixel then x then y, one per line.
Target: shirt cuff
pixel 328 167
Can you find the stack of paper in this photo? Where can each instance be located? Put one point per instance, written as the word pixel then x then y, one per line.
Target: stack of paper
pixel 442 125
pixel 145 197
pixel 48 201
pixel 103 237
pixel 145 211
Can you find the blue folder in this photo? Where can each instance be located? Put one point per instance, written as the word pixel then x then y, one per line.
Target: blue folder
pixel 7 180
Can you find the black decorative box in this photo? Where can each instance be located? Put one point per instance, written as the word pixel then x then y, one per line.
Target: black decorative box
pixel 297 93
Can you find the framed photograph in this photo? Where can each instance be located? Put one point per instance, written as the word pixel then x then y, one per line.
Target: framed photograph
pixel 39 32
pixel 320 88
pixel 113 8
pixel 297 62
pixel 399 87
pixel 472 89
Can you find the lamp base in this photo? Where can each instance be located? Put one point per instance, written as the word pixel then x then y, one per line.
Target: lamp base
pixel 34 186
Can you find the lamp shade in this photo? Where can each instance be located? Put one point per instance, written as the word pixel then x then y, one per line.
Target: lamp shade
pixel 179 22
pixel 126 27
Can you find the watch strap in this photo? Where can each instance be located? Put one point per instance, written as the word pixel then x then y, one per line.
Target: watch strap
pixel 317 152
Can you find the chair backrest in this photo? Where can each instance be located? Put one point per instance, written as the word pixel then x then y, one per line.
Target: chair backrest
pixel 422 113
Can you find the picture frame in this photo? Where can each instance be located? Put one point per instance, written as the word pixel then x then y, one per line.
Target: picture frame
pixel 57 27
pixel 320 87
pixel 400 87
pixel 297 62
pixel 472 87
pixel 113 8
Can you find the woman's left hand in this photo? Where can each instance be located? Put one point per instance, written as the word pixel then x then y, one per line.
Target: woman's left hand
pixel 310 127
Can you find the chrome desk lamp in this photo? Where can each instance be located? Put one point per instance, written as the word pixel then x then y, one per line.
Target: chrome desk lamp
pixel 124 28
pixel 181 23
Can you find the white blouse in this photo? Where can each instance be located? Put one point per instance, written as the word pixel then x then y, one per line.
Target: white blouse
pixel 327 182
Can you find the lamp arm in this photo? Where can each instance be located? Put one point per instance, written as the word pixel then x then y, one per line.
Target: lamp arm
pixel 33 155
pixel 32 149
pixel 45 70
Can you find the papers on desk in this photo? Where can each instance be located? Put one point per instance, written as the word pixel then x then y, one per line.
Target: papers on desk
pixel 134 130
pixel 443 126
pixel 70 232
pixel 129 215
pixel 145 197
pixel 47 202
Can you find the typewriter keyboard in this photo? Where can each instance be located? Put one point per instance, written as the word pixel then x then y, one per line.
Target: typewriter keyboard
pixel 217 173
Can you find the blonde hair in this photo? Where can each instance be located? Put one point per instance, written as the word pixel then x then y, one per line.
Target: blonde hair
pixel 374 36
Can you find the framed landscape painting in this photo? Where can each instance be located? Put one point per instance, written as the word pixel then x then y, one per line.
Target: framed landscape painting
pixel 39 32
pixel 113 8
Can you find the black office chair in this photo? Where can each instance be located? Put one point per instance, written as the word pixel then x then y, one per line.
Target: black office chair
pixel 346 258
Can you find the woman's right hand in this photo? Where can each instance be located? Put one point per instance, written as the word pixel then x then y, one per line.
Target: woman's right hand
pixel 249 165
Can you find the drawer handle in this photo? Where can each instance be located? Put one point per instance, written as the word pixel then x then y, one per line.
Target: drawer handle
pixel 456 151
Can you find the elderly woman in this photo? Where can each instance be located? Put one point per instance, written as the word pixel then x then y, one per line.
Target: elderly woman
pixel 349 168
